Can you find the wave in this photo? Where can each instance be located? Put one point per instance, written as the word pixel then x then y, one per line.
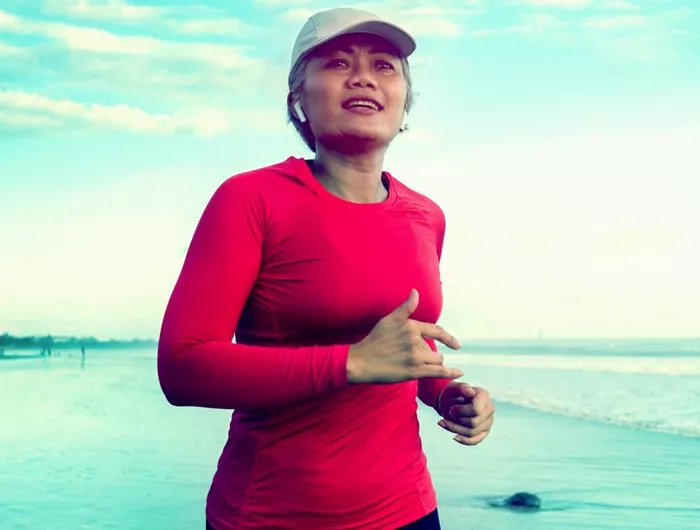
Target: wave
pixel 599 363
pixel 585 347
pixel 676 426
pixel 602 388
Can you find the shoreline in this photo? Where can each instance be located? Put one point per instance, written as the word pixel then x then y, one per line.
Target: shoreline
pixel 13 356
pixel 602 421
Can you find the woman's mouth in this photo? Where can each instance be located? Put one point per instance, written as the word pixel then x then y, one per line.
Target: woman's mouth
pixel 362 105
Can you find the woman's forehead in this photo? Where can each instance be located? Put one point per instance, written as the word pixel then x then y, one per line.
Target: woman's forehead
pixel 354 42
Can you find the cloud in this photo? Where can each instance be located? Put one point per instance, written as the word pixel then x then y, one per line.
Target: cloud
pixel 102 9
pixel 420 21
pixel 649 37
pixel 119 10
pixel 655 37
pixel 429 19
pixel 215 26
pixel 11 22
pixel 535 24
pixel 297 14
pixel 28 109
pixel 565 4
pixel 427 11
pixel 624 240
pixel 282 3
pixel 167 78
pixel 620 4
pixel 10 50
pixel 94 40
pixel 178 67
pixel 17 119
pixel 655 47
pixel 436 26
pixel 21 109
pixel 435 10
pixel 615 22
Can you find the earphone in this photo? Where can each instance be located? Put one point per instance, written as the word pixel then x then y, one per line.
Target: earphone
pixel 299 112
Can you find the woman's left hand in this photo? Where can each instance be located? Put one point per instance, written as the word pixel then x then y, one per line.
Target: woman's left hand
pixel 466 411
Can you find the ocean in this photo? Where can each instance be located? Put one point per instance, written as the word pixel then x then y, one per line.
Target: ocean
pixel 606 433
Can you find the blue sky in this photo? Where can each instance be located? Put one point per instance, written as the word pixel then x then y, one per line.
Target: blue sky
pixel 559 136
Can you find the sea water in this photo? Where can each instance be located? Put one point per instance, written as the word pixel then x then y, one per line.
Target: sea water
pixel 607 433
pixel 651 385
pixel 608 436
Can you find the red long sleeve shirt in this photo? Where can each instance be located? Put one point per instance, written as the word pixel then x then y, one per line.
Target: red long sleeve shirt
pixel 298 274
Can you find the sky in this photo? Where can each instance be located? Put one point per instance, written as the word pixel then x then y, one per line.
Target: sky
pixel 560 137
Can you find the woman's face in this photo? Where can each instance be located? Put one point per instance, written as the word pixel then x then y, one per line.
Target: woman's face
pixel 354 90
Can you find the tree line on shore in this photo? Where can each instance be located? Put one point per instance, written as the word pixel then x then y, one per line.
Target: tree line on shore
pixel 48 342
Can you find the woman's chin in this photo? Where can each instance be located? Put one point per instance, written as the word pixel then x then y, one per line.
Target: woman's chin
pixel 370 136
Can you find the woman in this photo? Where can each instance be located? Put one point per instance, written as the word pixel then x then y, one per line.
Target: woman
pixel 317 267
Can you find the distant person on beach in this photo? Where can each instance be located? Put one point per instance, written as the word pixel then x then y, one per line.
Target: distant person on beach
pixel 327 273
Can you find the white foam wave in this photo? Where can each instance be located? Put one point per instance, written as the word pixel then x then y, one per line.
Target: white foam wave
pixel 649 393
pixel 629 365
pixel 688 427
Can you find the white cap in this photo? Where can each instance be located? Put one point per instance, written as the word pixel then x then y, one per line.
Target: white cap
pixel 327 25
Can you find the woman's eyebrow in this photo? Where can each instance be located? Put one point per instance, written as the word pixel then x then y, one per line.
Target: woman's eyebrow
pixel 384 49
pixel 376 49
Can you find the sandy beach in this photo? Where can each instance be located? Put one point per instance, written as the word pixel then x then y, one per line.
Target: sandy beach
pixel 588 475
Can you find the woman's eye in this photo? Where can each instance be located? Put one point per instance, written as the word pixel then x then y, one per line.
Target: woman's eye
pixel 336 63
pixel 385 65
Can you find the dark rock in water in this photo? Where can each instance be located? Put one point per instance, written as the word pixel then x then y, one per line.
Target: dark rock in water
pixel 523 500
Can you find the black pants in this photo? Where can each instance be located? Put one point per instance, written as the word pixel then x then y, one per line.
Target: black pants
pixel 429 522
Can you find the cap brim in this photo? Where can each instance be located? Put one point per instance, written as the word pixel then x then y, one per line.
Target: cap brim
pixel 399 38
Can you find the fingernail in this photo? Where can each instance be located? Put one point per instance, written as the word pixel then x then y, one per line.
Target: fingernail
pixel 458 439
pixel 442 424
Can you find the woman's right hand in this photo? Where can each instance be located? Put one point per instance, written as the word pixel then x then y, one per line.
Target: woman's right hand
pixel 395 349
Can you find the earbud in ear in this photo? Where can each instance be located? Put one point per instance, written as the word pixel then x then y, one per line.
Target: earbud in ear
pixel 299 112
pixel 403 123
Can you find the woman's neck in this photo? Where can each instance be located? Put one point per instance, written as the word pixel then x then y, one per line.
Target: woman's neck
pixel 355 178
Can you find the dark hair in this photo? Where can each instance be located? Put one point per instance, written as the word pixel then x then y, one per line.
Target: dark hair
pixel 296 82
